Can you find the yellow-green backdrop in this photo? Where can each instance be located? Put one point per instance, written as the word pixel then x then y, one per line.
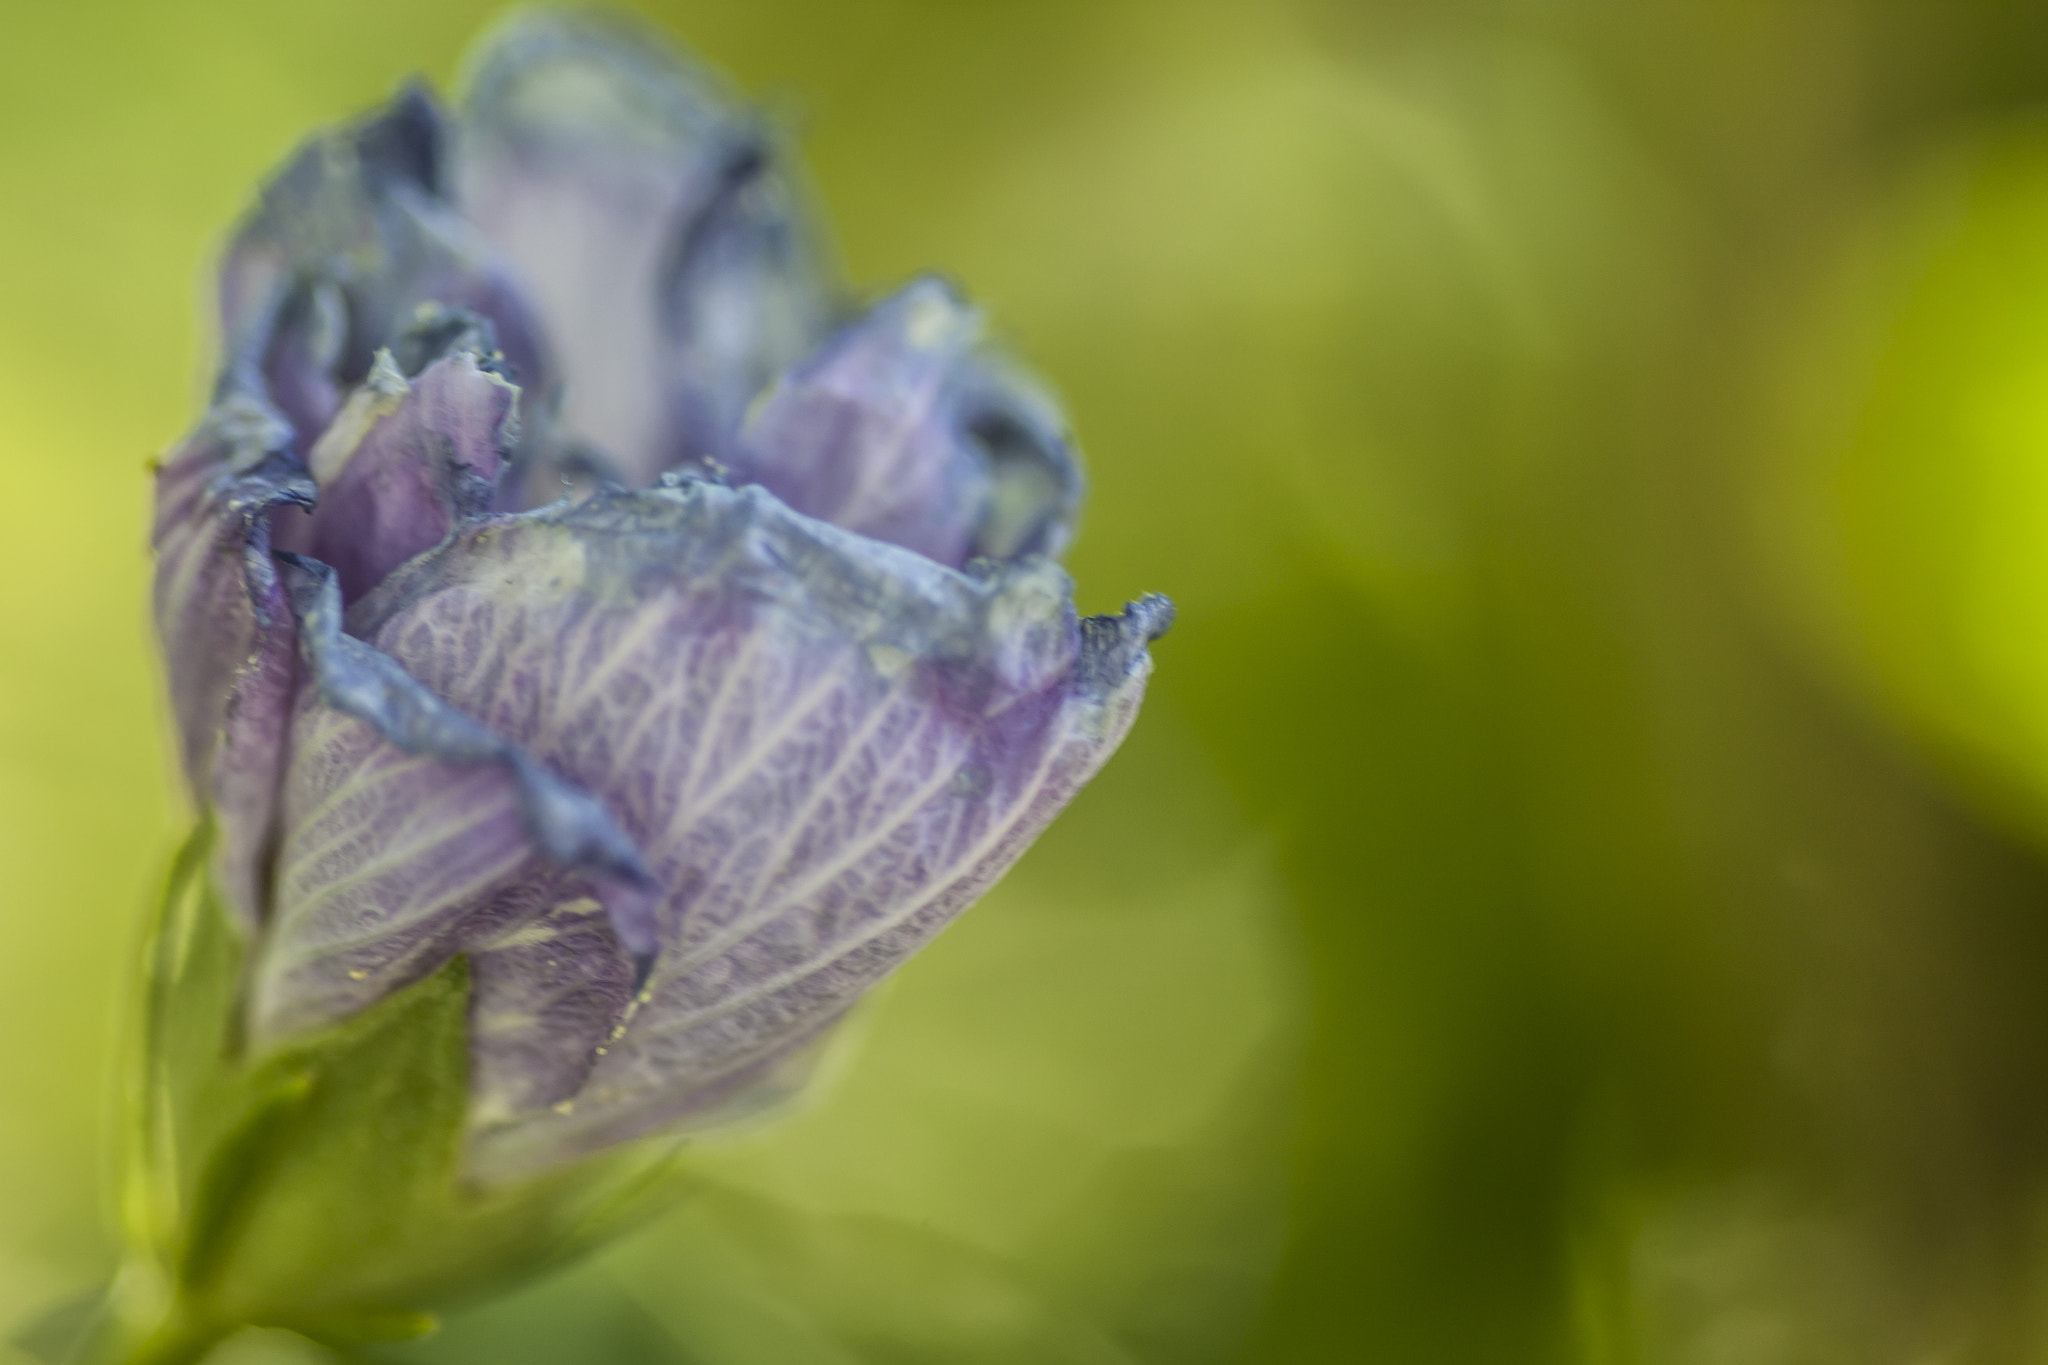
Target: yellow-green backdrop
pixel 1577 891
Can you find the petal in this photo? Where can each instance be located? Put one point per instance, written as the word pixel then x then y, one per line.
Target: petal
pixel 651 222
pixel 545 996
pixel 404 462
pixel 407 825
pixel 904 428
pixel 746 297
pixel 891 831
pixel 347 241
pixel 825 746
pixel 228 640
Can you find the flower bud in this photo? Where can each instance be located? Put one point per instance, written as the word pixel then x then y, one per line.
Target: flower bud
pixel 539 832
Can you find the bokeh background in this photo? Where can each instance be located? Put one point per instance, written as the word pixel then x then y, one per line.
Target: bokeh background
pixel 1579 890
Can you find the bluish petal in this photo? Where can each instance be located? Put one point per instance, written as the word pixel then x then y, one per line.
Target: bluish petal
pixel 350 237
pixel 546 996
pixel 404 461
pixel 408 825
pixel 825 747
pixel 227 635
pixel 906 811
pixel 746 296
pixel 906 428
pixel 348 240
pixel 649 217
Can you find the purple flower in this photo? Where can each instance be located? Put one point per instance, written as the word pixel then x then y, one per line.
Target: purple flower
pixel 566 578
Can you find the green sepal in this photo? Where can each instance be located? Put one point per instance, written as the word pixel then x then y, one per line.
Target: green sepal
pixel 190 970
pixel 322 1187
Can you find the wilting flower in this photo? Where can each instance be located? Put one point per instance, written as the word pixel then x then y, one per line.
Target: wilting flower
pixel 566 582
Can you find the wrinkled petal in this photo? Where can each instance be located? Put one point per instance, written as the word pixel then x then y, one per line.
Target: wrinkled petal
pixel 409 825
pixel 825 747
pixel 228 641
pixel 653 226
pixel 348 240
pixel 405 461
pixel 903 427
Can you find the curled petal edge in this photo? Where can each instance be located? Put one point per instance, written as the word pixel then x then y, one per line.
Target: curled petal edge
pixel 226 629
pixel 568 827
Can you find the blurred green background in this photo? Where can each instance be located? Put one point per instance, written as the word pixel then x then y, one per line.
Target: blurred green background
pixel 1579 890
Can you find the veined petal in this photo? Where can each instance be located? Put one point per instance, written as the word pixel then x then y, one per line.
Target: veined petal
pixel 347 241
pixel 405 461
pixel 407 826
pixel 649 218
pixel 896 829
pixel 825 747
pixel 228 639
pixel 905 428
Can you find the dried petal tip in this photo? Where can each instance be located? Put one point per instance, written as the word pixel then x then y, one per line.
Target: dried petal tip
pixel 404 463
pixel 1113 647
pixel 905 427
